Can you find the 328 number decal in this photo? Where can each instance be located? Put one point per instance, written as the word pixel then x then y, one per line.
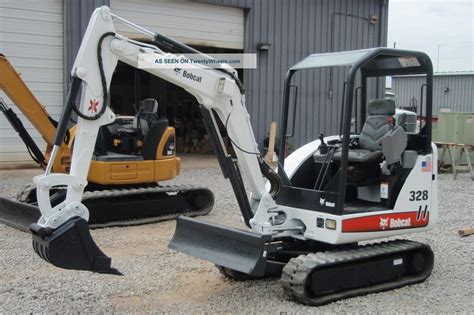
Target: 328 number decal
pixel 418 195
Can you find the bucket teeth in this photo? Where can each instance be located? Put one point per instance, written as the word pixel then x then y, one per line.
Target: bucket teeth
pixel 70 247
pixel 41 251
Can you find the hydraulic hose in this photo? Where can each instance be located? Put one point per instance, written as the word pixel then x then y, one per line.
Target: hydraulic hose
pixel 103 82
pixel 272 176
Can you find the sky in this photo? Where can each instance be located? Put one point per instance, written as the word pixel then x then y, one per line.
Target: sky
pixel 428 24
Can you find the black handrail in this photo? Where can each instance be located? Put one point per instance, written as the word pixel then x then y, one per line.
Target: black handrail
pixel 421 101
pixel 356 107
pixel 284 120
pixel 294 111
pixel 342 107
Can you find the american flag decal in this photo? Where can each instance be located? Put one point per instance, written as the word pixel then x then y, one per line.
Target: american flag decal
pixel 426 166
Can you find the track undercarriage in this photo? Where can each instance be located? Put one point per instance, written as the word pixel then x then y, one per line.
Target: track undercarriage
pixel 115 207
pixel 319 278
pixel 313 273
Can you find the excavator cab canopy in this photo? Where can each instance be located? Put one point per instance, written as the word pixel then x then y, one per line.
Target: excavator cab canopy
pixel 361 65
pixel 372 62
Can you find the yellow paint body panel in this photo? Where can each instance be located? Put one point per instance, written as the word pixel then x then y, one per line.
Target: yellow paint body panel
pixel 164 139
pixel 133 172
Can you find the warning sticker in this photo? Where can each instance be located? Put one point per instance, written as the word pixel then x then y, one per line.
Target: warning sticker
pixel 407 62
pixel 383 190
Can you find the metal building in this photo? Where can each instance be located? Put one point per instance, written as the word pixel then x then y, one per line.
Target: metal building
pixel 43 43
pixel 452 91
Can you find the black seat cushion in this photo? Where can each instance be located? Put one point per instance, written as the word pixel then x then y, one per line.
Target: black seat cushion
pixel 360 156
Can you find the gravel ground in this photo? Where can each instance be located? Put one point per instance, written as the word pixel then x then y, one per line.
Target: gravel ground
pixel 159 280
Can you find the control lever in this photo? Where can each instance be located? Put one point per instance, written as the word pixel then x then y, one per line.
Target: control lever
pixel 323 148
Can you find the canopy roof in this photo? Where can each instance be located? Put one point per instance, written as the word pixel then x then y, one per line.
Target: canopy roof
pixel 372 62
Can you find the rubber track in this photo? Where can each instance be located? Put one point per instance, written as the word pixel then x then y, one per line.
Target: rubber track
pixel 137 220
pixel 296 272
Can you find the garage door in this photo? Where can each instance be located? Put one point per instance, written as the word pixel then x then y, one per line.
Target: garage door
pixel 189 22
pixel 31 36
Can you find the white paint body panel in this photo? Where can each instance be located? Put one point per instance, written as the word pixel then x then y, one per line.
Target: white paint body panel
pixel 417 180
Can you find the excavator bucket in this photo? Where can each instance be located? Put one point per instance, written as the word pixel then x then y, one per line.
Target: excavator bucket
pixel 235 249
pixel 18 215
pixel 71 247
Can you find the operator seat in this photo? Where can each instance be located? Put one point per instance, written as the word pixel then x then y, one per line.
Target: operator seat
pixel 379 139
pixel 146 116
pixel 378 125
pixel 128 130
pixel 152 127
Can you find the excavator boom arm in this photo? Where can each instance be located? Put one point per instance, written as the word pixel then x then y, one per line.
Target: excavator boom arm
pixel 16 89
pixel 220 95
pixel 215 89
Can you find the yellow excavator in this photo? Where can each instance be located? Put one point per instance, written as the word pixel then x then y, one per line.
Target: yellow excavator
pixel 131 156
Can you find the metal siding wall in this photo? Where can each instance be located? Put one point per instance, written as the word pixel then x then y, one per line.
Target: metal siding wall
pixel 31 37
pixel 189 22
pixel 76 19
pixel 460 97
pixel 296 29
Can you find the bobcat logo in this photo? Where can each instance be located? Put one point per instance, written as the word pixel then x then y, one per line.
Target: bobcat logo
pixel 177 71
pixel 324 202
pixel 384 223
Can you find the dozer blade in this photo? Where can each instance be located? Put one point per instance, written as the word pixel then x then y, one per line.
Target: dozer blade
pixel 18 215
pixel 71 247
pixel 227 247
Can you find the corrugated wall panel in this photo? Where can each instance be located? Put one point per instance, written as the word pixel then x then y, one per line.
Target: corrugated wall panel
pixel 297 28
pixel 31 36
pixel 459 98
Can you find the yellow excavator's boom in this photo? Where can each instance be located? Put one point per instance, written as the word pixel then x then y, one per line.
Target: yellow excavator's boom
pixel 17 90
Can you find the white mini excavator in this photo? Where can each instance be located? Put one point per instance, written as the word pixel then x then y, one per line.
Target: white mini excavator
pixel 375 179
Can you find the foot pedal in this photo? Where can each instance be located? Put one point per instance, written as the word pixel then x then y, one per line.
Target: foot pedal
pixel 71 247
pixel 236 249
